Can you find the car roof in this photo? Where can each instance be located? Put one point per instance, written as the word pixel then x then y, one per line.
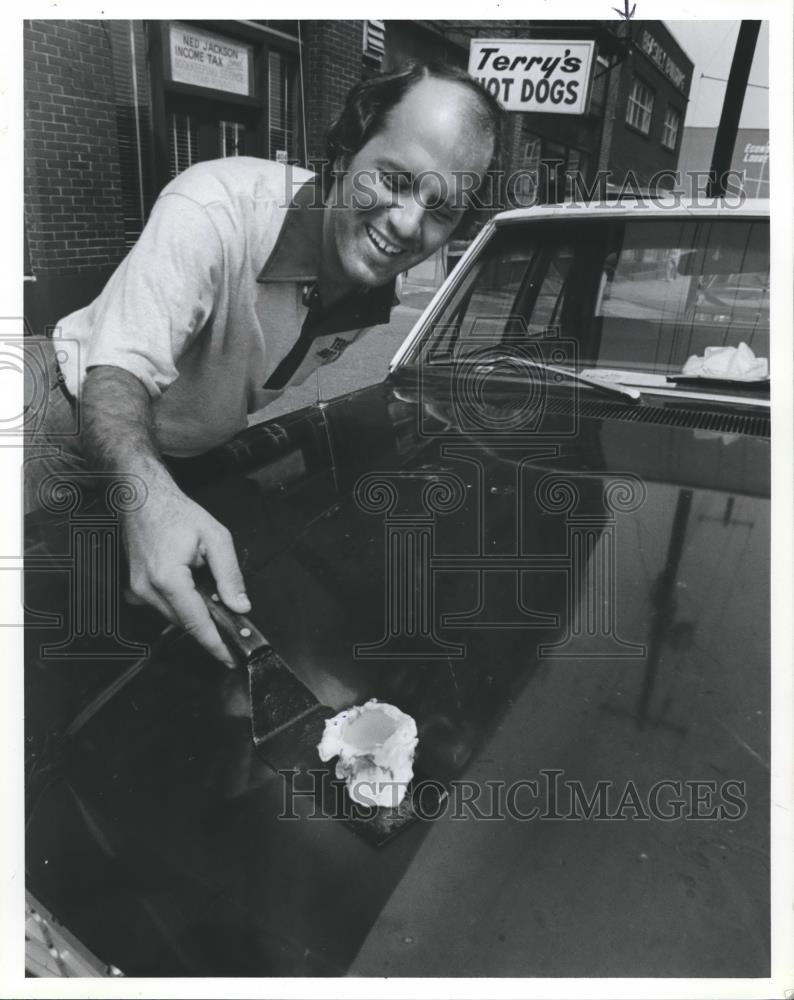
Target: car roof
pixel 649 207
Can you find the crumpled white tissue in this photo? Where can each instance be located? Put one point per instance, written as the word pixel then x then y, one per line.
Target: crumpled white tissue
pixel 737 363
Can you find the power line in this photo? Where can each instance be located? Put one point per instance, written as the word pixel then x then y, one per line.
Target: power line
pixel 723 79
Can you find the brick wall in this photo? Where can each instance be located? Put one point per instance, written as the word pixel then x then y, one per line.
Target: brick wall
pixel 73 206
pixel 332 64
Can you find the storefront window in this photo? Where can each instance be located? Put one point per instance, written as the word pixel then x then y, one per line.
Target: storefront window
pixel 640 106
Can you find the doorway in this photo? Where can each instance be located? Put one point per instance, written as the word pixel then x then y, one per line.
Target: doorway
pixel 199 130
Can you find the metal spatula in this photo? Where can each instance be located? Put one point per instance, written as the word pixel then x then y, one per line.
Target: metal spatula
pixel 287 722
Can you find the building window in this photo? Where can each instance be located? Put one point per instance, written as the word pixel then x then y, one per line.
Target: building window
pixel 283 105
pixel 672 125
pixel 232 138
pixel 182 142
pixel 640 106
pixel 133 124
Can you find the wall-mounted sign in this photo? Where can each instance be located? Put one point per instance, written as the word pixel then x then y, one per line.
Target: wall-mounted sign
pixel 208 60
pixel 538 75
pixel 662 61
pixel 756 152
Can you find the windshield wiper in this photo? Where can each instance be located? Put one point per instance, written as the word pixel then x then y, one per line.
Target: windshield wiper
pixel 707 381
pixel 612 388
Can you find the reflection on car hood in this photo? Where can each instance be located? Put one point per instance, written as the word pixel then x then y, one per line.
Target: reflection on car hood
pixel 595 584
pixel 437 568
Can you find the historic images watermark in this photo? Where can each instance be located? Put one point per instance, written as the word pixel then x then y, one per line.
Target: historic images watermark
pixel 547 796
pixel 499 190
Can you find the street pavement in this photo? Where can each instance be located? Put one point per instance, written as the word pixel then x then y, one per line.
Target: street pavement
pixel 367 361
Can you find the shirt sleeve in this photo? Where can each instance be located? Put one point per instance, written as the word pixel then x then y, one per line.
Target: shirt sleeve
pixel 161 296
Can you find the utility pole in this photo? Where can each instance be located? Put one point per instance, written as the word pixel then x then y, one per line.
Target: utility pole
pixel 732 106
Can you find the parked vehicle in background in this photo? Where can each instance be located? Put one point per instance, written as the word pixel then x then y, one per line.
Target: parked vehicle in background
pixel 637 288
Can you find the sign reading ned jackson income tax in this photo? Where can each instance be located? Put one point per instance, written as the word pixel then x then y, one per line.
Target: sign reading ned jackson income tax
pixel 538 75
pixel 207 60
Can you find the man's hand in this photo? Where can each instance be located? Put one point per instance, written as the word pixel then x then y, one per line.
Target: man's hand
pixel 170 535
pixel 167 538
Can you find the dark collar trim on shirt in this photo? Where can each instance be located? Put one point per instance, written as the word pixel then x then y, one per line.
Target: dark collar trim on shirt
pixel 370 307
pixel 352 313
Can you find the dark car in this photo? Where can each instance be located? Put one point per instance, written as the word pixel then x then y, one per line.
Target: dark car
pixel 538 538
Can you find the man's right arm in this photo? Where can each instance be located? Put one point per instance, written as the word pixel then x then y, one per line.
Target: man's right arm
pixel 169 535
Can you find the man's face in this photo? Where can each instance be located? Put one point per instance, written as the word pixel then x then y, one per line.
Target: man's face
pixel 403 193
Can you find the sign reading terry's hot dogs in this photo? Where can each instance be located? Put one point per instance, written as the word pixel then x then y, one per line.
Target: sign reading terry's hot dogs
pixel 538 75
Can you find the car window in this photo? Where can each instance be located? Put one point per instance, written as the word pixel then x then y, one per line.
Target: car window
pixel 639 295
pixel 679 289
pixel 519 286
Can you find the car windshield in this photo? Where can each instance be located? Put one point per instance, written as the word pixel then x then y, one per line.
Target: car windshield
pixel 627 298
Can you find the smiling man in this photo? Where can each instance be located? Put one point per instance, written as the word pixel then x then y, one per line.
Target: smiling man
pixel 407 182
pixel 236 290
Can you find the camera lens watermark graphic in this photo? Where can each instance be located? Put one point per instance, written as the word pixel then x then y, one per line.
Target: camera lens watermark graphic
pixel 501 382
pixel 482 404
pixel 16 361
pixel 38 363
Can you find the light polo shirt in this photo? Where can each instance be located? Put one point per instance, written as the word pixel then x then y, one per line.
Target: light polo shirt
pixel 215 308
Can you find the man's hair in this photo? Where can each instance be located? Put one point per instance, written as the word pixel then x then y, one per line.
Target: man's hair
pixel 369 103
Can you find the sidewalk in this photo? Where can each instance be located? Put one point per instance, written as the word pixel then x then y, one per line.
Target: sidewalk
pixel 428 274
pixel 367 361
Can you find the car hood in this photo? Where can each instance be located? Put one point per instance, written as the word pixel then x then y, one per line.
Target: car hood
pixel 589 597
pixel 390 554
